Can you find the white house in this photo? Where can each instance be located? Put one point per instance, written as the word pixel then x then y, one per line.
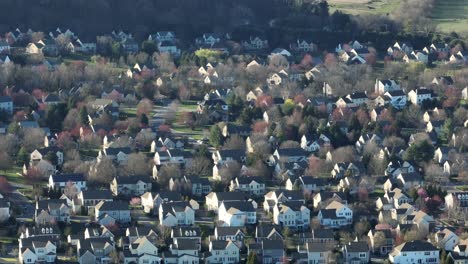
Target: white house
pixel 119 211
pixel 249 184
pixel 6 104
pixel 446 239
pixel 60 181
pixel 383 86
pixel 37 250
pixel 222 251
pixel 398 98
pixel 335 215
pixel 142 250
pixel 292 214
pixel 316 253
pixel 237 213
pixel 419 95
pixel 416 251
pixel 176 213
pixel 273 198
pixel 4 209
pixel 214 199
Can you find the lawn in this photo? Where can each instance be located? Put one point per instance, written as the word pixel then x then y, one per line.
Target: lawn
pixel 451 15
pixel 13 175
pixel 356 7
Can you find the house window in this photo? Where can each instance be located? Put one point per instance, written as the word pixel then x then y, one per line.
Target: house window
pixel 427 253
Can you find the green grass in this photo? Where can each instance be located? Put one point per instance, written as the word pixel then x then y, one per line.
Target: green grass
pixel 371 7
pixel 451 15
pixel 12 175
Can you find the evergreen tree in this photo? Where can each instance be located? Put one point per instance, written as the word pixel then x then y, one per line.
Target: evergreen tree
pixel 84 115
pixel 144 119
pixel 216 136
pixel 22 157
pixel 422 151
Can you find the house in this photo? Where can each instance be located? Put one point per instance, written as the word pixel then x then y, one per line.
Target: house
pixel 151 201
pixel 35 48
pixel 254 185
pixel 381 241
pixel 60 181
pixel 268 251
pixel 161 36
pixel 4 59
pixel 88 199
pixel 358 98
pixel 417 56
pixel 323 197
pixel 232 233
pixel 214 199
pixel 37 250
pixel 446 239
pixel 335 215
pixel 288 155
pixel 292 214
pixel 443 80
pixel 131 185
pixel 6 104
pixel 198 186
pixel 54 153
pixel 209 39
pixel 423 221
pixel 343 169
pixel 253 94
pixel 94 250
pixel 176 213
pixel 4 47
pixel 459 255
pixel 303 45
pixel 117 210
pixel 316 253
pixel 419 95
pixel 306 183
pixel 168 47
pixel 277 78
pixel 223 156
pixel 182 251
pixel 255 43
pixel 410 180
pixel 237 213
pixel 119 155
pixel 398 98
pixel 457 200
pixel 51 211
pixel 222 251
pixel 383 86
pixel 281 51
pixel 397 197
pixel 273 198
pixel 233 129
pixel 142 250
pixel 47 231
pixel 266 231
pixel 395 168
pixel 308 144
pixel 186 233
pixel 4 209
pixel 399 47
pixel 434 126
pixel 459 57
pixel 416 251
pixel 136 232
pixel 356 252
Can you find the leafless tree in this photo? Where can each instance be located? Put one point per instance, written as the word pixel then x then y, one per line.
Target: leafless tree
pixel 344 154
pixel 167 172
pixel 33 138
pixel 137 164
pixel 234 142
pixel 102 172
pixel 199 166
pixel 230 171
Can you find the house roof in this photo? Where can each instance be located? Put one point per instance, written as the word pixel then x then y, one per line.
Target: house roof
pixel 317 247
pixel 322 233
pixel 242 206
pixel 186 244
pixel 292 152
pixel 229 196
pixel 415 245
pixel 114 151
pixel 4 99
pixel 228 230
pixel 265 230
pixel 272 244
pixel 73 177
pixel 249 179
pixel 97 195
pixel 186 231
pixel 219 244
pixel 133 179
pixel 112 206
pixel 360 246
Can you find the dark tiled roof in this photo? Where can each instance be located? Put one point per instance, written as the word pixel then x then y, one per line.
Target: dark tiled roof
pixel 357 247
pixel 417 245
pixel 73 177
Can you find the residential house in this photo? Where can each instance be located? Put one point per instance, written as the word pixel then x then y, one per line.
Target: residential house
pixel 381 241
pixel 292 214
pixel 356 252
pixel 399 47
pixel 254 94
pixel 316 253
pixel 416 251
pixel 303 45
pixel 335 215
pixel 88 199
pixel 118 155
pixel 45 153
pixel 176 213
pixel 254 185
pixel 4 209
pixel 4 47
pixel 142 250
pixel 45 231
pixel 214 199
pixel 186 233
pixel 237 213
pixel 410 180
pixel 131 185
pixel 161 36
pixel 234 129
pixel 446 239
pixel 443 80
pixel 117 210
pixel 197 186
pixel 37 250
pixel 383 86
pixel 222 251
pixel 358 98
pixel 51 211
pixel 307 183
pixel 168 47
pixel 232 233
pixel 288 155
pixel 280 51
pixel 268 251
pixel 323 197
pixel 459 255
pixel 309 144
pixel 419 95
pixel 94 250
pixel 266 231
pixel 274 198
pixel 209 39
pixel 136 232
pixel 344 169
pixel 457 200
pixel 398 98
pixel 255 43
pixel 60 181
pixel 223 156
pixel 6 104
pixel 182 251
pixel 277 78
pixel 459 57
pixel 151 201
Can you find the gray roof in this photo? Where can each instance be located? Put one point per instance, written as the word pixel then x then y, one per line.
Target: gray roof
pixel 357 247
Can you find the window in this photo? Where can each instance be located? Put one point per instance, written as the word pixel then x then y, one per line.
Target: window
pixel 427 253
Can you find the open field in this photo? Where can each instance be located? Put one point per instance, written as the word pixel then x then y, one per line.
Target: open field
pixel 357 7
pixel 451 15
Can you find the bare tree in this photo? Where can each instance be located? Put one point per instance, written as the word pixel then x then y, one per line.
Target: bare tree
pixel 229 171
pixel 234 142
pixel 137 164
pixel 167 172
pixel 102 172
pixel 33 138
pixel 199 166
pixel 145 106
pixel 344 154
pixel 290 144
pixel 9 143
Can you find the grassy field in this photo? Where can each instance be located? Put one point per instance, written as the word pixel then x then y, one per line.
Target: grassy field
pixel 357 7
pixel 13 175
pixel 451 15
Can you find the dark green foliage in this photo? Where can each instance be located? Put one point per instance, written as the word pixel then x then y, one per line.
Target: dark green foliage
pixel 55 116
pixel 144 120
pixel 419 152
pixel 216 137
